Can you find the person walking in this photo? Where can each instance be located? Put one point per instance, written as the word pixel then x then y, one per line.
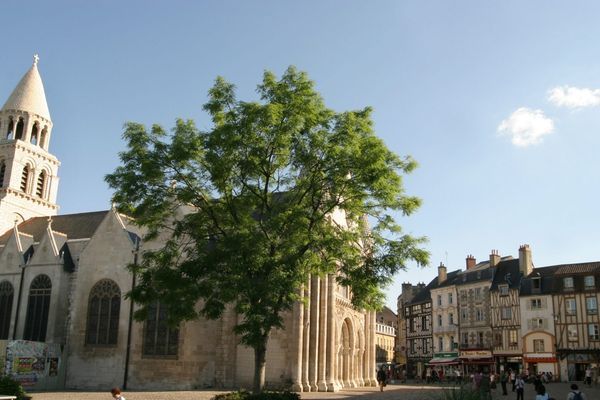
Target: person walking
pixel 541 393
pixel 520 387
pixel 576 394
pixel 484 387
pixel 116 394
pixel 588 376
pixel 381 378
pixel 513 378
pixel 503 381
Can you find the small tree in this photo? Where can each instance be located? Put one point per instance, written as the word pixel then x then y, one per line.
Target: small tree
pixel 259 189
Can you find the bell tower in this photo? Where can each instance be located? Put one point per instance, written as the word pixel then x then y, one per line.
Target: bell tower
pixel 28 172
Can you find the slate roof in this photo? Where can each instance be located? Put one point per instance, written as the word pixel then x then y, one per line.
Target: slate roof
pixel 475 275
pixel 424 295
pixel 75 226
pixel 547 281
pixel 507 272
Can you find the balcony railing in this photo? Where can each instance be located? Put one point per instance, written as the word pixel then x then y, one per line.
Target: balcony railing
pixel 385 329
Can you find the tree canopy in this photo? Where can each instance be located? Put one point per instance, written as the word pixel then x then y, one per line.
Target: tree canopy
pixel 277 189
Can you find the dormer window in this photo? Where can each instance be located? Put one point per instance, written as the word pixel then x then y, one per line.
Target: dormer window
pixel 589 282
pixel 536 284
pixel 568 283
pixel 503 290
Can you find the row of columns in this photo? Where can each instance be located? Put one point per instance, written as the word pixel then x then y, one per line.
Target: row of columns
pixel 329 354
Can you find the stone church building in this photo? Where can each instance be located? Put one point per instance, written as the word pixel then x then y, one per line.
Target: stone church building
pixel 63 280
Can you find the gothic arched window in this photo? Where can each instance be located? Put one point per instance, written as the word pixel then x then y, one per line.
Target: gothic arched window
pixel 41 182
pixel 24 178
pixel 6 300
pixel 43 135
pixel 38 307
pixel 159 338
pixel 2 173
pixel 103 313
pixel 19 131
pixel 34 134
pixel 11 127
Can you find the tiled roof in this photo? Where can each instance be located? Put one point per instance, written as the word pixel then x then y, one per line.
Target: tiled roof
pixel 582 268
pixel 74 226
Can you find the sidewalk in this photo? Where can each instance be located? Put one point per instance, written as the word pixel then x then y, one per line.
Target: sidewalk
pixel 392 392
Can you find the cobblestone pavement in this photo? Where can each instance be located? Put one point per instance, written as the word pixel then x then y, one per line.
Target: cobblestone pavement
pixel 392 392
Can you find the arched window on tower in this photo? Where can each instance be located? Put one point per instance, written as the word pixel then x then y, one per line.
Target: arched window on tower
pixel 41 185
pixel 103 314
pixel 19 131
pixel 34 134
pixel 6 301
pixel 2 173
pixel 38 307
pixel 24 178
pixel 43 136
pixel 10 129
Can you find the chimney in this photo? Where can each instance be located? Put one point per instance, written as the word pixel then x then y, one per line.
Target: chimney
pixel 494 258
pixel 471 261
pixel 525 262
pixel 442 273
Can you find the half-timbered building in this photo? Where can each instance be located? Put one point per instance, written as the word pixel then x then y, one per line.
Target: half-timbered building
pixel 537 322
pixel 577 323
pixel 418 331
pixel 505 310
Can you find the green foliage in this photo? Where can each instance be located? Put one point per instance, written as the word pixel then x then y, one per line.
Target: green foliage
pixel 276 190
pixel 10 387
pixel 464 392
pixel 267 395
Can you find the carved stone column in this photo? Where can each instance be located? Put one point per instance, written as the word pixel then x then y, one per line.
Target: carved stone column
pixel 297 344
pixel 314 333
pixel 323 308
pixel 306 338
pixel 331 337
pixel 372 374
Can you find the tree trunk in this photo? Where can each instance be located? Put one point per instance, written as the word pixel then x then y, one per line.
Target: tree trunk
pixel 260 352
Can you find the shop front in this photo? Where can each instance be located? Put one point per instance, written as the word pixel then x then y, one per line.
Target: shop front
pixel 446 365
pixel 512 362
pixel 537 363
pixel 577 361
pixel 475 361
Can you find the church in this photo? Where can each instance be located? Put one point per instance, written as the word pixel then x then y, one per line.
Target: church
pixel 63 281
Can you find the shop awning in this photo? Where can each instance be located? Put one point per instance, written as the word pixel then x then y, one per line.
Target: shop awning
pixel 540 359
pixel 444 361
pixel 477 360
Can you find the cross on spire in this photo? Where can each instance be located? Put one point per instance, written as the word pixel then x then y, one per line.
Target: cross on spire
pixel 36 58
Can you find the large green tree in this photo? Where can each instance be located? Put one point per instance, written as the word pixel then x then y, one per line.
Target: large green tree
pixel 275 190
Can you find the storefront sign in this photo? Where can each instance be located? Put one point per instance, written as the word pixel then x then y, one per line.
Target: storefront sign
pixel 446 355
pixel 475 354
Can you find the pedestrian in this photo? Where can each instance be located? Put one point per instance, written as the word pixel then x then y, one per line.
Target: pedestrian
pixel 381 378
pixel 520 387
pixel 513 378
pixel 541 393
pixel 575 394
pixel 116 393
pixel 428 375
pixel 457 372
pixel 588 376
pixel 484 387
pixel 503 381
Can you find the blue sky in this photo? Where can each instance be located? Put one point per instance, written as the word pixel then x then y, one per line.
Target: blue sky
pixel 497 101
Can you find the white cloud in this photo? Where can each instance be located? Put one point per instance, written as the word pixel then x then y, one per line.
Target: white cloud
pixel 572 97
pixel 526 126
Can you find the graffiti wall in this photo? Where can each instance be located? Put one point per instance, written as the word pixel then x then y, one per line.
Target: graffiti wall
pixel 36 365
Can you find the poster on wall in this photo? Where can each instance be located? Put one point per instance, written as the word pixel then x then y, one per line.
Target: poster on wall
pixel 26 361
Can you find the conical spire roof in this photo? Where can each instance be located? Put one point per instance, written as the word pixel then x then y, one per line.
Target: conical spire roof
pixel 29 94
